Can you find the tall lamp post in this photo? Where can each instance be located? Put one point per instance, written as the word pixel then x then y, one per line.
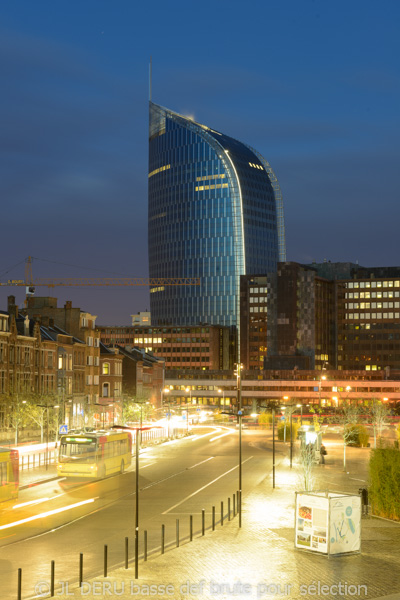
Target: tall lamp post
pixel 301 412
pixel 166 391
pixel 239 367
pixel 137 430
pixel 188 390
pixel 17 417
pixel 323 378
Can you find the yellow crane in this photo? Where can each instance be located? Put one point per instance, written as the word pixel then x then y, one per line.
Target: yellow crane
pixel 52 282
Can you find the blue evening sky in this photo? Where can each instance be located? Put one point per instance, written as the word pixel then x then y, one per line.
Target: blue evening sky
pixel 312 85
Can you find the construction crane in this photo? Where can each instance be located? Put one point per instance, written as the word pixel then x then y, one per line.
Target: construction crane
pixel 30 284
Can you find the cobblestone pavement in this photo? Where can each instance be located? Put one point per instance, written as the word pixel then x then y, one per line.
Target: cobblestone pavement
pixel 259 560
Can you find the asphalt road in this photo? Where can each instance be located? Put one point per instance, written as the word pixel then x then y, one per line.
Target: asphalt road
pixel 176 480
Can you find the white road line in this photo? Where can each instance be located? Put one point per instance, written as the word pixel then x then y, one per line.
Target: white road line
pixel 204 487
pixel 198 437
pixel 200 463
pixel 221 436
pixel 354 479
pixel 145 466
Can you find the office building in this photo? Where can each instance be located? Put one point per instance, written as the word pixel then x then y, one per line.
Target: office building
pixel 206 347
pixel 215 212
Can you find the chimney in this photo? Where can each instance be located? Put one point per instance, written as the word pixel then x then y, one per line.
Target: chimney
pixel 12 308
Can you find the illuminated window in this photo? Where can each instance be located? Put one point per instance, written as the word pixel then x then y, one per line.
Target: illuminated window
pixel 164 168
pixel 106 368
pixel 209 177
pixel 217 186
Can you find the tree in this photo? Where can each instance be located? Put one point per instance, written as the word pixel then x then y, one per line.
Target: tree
pixel 306 463
pixel 39 411
pixel 349 416
pixel 379 414
pixel 19 415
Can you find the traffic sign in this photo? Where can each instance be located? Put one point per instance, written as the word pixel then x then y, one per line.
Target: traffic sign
pixel 63 429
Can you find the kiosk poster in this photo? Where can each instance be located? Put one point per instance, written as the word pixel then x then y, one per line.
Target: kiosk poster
pixel 312 522
pixel 345 524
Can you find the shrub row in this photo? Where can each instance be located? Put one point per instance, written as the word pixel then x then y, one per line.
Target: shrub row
pixel 384 491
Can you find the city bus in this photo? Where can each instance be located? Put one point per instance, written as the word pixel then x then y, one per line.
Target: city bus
pixel 95 454
pixel 9 474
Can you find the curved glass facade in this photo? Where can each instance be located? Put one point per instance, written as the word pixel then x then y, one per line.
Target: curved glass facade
pixel 215 212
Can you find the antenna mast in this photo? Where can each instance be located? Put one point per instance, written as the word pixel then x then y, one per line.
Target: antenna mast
pixel 150 78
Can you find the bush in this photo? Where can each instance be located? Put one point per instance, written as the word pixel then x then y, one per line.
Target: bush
pixel 384 474
pixel 265 420
pixel 356 435
pixel 398 432
pixel 281 430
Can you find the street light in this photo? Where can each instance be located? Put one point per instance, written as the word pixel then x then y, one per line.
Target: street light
pixel 301 412
pixel 323 377
pixel 17 416
pixel 166 391
pixel 188 390
pixel 239 367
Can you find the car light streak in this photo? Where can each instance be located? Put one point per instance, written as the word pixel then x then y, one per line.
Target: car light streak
pixel 49 513
pixel 37 501
pixel 198 437
pixel 220 436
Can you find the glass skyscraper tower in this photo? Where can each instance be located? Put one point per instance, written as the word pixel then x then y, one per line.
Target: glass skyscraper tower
pixel 215 212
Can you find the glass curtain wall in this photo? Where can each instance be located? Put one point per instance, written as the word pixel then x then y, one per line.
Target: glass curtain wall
pixel 212 214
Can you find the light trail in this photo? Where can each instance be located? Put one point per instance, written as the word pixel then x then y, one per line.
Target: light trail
pixel 49 513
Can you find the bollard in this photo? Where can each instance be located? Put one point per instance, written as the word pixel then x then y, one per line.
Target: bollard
pixel 222 513
pixel 177 533
pixel 234 505
pixel 52 579
pixel 229 509
pixel 203 518
pixel 191 528
pixel 80 569
pixel 105 560
pixel 145 546
pixel 126 552
pixel 213 518
pixel 19 584
pixel 162 539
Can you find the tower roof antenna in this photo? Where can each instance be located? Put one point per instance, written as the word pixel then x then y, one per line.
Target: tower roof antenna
pixel 150 78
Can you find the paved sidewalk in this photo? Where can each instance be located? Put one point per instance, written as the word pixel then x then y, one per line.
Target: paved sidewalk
pixel 36 475
pixel 259 560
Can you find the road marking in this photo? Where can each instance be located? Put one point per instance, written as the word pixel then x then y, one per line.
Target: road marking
pixel 354 479
pixel 221 436
pixel 173 475
pixel 198 437
pixel 200 463
pixel 145 466
pixel 204 487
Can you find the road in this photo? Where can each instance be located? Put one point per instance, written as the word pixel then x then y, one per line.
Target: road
pixel 177 479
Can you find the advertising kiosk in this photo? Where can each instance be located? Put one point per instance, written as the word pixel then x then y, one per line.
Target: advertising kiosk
pixel 328 522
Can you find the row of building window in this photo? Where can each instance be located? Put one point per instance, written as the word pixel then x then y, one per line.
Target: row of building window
pixel 368 305
pixel 366 295
pixel 372 284
pixel 385 315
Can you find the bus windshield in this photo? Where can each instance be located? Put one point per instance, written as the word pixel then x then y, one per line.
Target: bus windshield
pixel 78 451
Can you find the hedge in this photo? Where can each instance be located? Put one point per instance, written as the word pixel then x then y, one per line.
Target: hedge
pixel 281 430
pixel 356 435
pixel 384 474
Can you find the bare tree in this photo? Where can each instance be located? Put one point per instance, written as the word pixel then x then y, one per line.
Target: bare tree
pixel 349 416
pixel 306 465
pixel 379 413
